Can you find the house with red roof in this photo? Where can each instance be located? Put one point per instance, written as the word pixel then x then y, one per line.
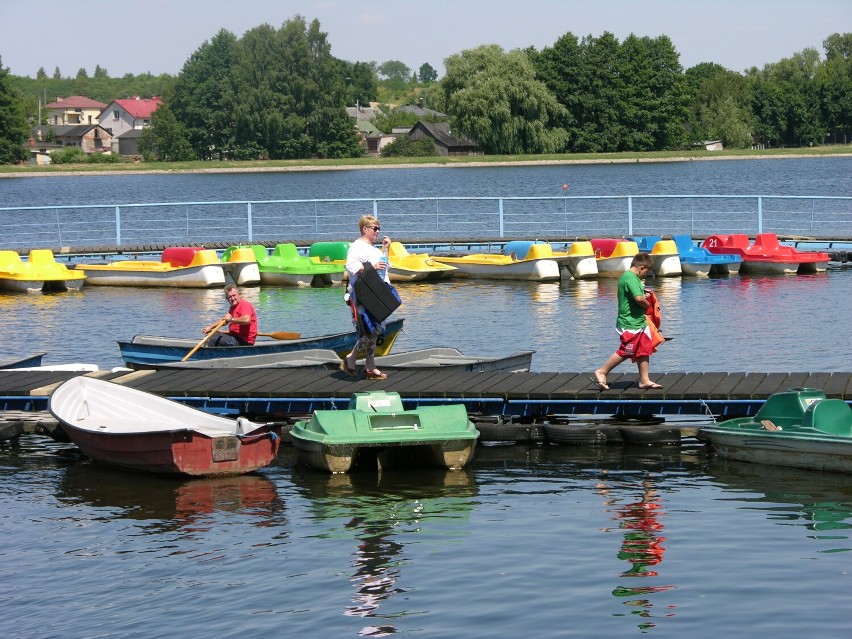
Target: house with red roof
pixel 73 110
pixel 128 116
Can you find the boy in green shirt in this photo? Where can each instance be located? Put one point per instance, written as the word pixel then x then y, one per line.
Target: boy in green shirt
pixel 632 325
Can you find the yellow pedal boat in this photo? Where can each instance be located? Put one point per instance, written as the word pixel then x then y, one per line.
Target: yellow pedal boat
pixel 40 272
pixel 538 265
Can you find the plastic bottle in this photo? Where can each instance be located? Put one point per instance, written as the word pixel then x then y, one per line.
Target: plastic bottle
pixel 385 258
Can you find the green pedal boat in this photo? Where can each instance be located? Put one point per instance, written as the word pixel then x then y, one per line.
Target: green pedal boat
pixel 375 431
pixel 799 427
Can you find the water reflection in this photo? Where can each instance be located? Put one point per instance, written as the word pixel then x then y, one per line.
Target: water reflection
pixel 164 504
pixel 379 511
pixel 640 520
pixel 821 503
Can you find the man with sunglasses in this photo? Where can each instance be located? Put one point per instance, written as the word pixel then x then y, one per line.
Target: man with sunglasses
pixel 361 251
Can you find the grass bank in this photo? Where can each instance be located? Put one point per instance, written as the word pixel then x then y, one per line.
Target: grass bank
pixel 261 166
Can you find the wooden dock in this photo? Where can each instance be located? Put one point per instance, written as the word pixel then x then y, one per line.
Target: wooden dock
pixel 506 406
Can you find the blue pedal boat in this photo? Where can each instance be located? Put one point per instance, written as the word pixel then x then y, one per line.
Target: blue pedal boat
pixel 698 261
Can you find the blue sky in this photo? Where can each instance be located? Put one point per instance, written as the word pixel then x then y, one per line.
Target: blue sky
pixel 158 36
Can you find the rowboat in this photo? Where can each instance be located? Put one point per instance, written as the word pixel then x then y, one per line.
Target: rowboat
pixel 285 267
pixel 144 351
pixel 697 260
pixel 376 431
pixel 444 358
pixel 240 265
pixel 663 252
pixel 614 256
pixel 120 426
pixel 766 256
pixel 537 265
pixel 179 267
pixel 800 428
pixel 23 362
pixel 40 272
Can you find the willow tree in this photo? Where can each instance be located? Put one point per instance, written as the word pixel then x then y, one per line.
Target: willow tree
pixel 494 98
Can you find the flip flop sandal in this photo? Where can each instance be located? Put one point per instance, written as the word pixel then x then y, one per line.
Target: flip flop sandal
pixel 376 374
pixel 601 385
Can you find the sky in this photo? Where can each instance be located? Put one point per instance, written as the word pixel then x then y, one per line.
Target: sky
pixel 158 36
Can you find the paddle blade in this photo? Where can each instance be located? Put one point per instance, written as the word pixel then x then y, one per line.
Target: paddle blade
pixel 282 335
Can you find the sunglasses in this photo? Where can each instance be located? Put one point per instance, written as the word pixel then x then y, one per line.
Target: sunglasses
pixel 375 228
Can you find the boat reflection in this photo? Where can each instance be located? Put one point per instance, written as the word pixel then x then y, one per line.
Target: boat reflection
pixel 379 510
pixel 819 502
pixel 165 504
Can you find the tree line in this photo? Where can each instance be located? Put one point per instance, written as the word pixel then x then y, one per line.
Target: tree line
pixel 280 94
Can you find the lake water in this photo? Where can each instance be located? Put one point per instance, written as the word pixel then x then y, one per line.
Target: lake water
pixel 540 541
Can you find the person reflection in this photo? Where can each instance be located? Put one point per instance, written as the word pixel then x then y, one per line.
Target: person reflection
pixel 376 573
pixel 642 545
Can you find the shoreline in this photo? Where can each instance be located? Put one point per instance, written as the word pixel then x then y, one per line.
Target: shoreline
pixel 415 165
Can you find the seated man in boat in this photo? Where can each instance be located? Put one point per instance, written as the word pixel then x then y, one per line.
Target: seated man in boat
pixel 242 327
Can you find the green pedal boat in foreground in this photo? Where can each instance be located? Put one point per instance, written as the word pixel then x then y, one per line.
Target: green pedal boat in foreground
pixel 375 431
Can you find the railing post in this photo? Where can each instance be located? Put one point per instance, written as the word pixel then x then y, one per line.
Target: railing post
pixel 501 216
pixel 249 223
pixel 760 214
pixel 376 209
pixel 630 215
pixel 118 226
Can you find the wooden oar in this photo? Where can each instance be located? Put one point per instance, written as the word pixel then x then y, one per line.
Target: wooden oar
pixel 282 335
pixel 204 340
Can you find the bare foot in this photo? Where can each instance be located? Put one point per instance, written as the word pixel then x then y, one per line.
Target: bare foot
pixel 645 386
pixel 600 379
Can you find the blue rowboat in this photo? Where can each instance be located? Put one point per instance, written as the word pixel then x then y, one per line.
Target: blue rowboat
pixel 145 351
pixel 23 362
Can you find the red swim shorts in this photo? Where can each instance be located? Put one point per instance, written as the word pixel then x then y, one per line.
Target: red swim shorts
pixel 635 344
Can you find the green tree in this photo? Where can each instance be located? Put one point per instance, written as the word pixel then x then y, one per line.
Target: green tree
pixel 494 98
pixel 833 84
pixel 41 75
pixel 404 146
pixel 360 81
pixel 14 129
pixel 720 106
pixel 200 99
pixel 427 73
pixel 82 74
pixel 394 70
pixel 165 139
pixel 56 74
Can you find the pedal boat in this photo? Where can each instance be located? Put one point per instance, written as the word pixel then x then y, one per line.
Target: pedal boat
pixel 579 260
pixel 699 261
pixel 767 256
pixel 800 428
pixel 121 426
pixel 376 431
pixel 613 256
pixel 179 267
pixel 664 253
pixel 144 351
pixel 40 272
pixel 415 267
pixel 240 265
pixel 538 265
pixel 286 267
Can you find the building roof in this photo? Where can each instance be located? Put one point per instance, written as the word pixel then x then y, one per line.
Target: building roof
pixel 75 102
pixel 441 132
pixel 66 130
pixel 138 107
pixel 130 134
pixel 421 112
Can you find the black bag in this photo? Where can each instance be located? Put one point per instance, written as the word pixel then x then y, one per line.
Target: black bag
pixel 378 298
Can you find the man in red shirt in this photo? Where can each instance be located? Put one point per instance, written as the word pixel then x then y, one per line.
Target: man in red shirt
pixel 242 330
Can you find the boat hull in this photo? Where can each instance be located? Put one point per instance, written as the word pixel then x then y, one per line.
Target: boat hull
pixel 121 426
pixel 816 453
pixel 614 265
pixel 543 270
pixel 177 452
pixel 146 351
pixel 209 276
pixel 243 273
pixel 582 267
pixel 285 278
pixel 667 265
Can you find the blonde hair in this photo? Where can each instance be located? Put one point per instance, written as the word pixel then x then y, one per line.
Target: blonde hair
pixel 365 221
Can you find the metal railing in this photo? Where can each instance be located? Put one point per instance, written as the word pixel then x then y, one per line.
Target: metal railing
pixel 434 218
